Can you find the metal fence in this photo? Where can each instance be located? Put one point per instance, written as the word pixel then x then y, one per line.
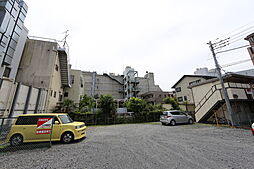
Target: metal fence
pixel 102 119
pixel 16 134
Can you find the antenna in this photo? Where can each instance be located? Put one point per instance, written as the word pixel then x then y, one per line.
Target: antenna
pixel 65 37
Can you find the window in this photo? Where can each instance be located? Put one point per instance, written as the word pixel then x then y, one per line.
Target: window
pixel 81 83
pixel 180 99
pixel 56 68
pixel 72 79
pixel 54 94
pixel 175 113
pixel 65 119
pixel 60 97
pixel 195 82
pixel 185 98
pixel 178 89
pixel 51 92
pixel 160 95
pixel 66 94
pixel 7 72
pixel 29 120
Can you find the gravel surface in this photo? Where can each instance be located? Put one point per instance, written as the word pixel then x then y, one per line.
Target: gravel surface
pixel 144 146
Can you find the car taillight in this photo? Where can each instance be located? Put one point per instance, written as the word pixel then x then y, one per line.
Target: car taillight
pixel 168 116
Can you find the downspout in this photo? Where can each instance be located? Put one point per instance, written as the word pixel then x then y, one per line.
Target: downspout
pixel 37 102
pixel 28 99
pixel 14 100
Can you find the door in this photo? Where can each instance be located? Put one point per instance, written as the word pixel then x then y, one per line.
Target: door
pixel 183 118
pixel 57 128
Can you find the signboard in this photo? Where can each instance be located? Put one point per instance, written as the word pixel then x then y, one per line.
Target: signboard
pixel 44 126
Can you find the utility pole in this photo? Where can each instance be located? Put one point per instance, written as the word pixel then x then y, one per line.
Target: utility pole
pixel 224 91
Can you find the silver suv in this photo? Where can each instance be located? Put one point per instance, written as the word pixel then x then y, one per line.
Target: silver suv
pixel 174 117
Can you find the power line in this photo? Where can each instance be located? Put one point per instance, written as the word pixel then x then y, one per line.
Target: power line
pixel 235 63
pixel 233 49
pixel 228 34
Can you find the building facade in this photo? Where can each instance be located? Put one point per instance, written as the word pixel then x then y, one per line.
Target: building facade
pixel 183 93
pixel 44 64
pixel 121 87
pixel 250 49
pixel 156 97
pixel 210 104
pixel 13 36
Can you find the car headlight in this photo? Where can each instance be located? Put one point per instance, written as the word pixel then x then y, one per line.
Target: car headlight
pixel 78 127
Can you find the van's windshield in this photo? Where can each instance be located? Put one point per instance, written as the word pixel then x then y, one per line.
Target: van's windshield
pixel 65 119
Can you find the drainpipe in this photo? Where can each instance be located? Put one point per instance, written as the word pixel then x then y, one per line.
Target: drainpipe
pixel 37 102
pixel 14 100
pixel 28 99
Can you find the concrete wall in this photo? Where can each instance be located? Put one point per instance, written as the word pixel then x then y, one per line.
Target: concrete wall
pixel 147 84
pixel 77 86
pixel 14 98
pixel 40 67
pixel 102 84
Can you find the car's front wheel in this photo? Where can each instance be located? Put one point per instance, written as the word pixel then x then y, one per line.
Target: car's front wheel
pixel 172 122
pixel 67 137
pixel 16 140
pixel 190 121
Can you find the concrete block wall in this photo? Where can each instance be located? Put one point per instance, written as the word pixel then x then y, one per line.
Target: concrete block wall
pixel 16 99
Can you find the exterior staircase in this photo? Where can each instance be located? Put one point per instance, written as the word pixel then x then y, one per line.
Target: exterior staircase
pixel 212 101
pixel 64 67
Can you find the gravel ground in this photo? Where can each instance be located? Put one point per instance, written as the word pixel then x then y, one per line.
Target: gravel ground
pixel 144 146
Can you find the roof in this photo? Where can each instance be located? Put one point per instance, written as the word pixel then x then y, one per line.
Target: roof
pixel 231 77
pixel 250 35
pixel 201 76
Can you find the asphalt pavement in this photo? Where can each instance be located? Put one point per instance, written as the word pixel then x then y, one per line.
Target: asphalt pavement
pixel 143 146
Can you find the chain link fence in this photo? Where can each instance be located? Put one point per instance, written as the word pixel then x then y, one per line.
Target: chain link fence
pixel 25 133
pixel 102 119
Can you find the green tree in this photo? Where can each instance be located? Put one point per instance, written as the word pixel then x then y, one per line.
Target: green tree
pixel 136 105
pixel 174 103
pixel 86 104
pixel 68 106
pixel 107 104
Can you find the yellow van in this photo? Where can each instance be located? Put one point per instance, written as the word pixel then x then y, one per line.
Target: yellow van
pixel 38 127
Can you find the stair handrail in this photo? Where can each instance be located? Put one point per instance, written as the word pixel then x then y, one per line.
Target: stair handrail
pixel 206 97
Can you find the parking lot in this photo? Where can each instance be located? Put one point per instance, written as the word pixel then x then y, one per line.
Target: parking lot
pixel 141 146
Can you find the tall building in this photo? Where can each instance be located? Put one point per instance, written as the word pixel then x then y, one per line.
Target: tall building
pixel 13 35
pixel 45 64
pixel 121 87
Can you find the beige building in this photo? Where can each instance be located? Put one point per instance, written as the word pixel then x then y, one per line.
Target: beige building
pixel 183 93
pixel 44 64
pixel 210 105
pixel 77 86
pixel 121 87
pixel 157 96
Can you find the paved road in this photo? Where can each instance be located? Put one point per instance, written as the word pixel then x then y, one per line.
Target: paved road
pixel 144 146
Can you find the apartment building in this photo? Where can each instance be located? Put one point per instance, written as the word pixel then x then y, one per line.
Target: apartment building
pixel 135 86
pixel 45 64
pixel 13 35
pixel 121 87
pixel 183 93
pixel 156 97
pixel 210 104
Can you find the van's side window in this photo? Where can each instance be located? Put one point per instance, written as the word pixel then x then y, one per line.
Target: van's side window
pixel 27 120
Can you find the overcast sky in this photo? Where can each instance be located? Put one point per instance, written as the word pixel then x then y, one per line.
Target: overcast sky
pixel 167 37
